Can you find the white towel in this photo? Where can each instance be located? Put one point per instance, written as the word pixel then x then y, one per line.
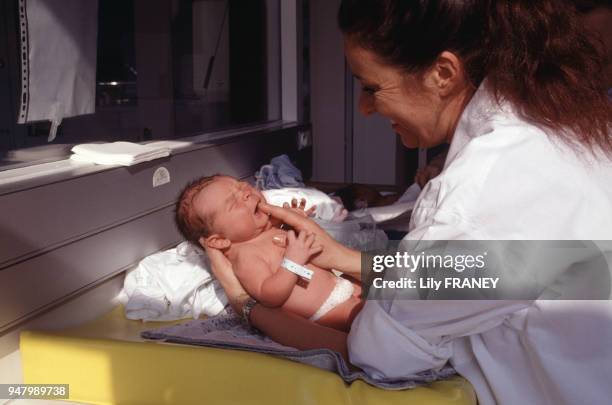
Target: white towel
pixel 327 209
pixel 173 284
pixel 117 153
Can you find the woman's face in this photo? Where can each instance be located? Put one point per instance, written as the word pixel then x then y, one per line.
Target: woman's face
pixel 412 105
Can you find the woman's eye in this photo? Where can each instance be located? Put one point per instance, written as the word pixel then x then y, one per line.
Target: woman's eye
pixel 368 90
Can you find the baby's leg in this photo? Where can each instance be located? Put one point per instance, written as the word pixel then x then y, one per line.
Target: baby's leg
pixel 341 317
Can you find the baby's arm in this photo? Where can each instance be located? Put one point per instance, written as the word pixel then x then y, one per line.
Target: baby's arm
pixel 278 288
pixel 273 289
pixel 270 289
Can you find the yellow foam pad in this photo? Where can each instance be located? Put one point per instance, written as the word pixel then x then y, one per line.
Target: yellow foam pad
pixel 106 362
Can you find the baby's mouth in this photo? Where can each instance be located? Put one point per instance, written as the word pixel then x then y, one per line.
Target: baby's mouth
pixel 256 211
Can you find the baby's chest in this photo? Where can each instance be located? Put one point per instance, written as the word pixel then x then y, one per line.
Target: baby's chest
pixel 267 255
pixel 273 256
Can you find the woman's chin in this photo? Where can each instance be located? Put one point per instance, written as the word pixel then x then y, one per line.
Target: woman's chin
pixel 409 141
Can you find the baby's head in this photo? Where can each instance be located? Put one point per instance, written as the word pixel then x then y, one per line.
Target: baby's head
pixel 219 210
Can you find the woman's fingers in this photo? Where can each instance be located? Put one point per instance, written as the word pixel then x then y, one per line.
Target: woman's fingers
pixel 315 249
pixel 311 211
pixel 299 206
pixel 310 239
pixel 218 261
pixel 286 216
pixel 280 240
pixel 224 272
pixel 332 254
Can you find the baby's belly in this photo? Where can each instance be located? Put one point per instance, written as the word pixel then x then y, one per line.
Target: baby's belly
pixel 307 297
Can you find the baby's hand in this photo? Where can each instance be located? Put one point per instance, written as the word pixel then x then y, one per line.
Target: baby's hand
pixel 300 248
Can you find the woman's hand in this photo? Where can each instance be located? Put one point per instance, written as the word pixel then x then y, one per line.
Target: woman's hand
pixel 300 208
pixel 297 208
pixel 333 256
pixel 224 272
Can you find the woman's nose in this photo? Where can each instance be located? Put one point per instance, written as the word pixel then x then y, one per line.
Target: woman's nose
pixel 366 104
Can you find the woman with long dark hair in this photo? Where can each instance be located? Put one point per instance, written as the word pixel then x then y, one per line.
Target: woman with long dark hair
pixel 516 88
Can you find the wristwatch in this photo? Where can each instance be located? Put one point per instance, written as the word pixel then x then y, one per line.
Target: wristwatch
pixel 246 310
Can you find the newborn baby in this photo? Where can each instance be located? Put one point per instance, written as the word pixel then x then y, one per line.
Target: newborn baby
pixel 222 212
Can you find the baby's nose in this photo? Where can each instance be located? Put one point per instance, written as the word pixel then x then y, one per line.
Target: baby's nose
pixel 246 194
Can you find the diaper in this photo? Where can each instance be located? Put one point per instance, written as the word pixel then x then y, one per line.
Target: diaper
pixel 342 292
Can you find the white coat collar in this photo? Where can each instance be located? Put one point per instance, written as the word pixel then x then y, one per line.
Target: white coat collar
pixel 478 118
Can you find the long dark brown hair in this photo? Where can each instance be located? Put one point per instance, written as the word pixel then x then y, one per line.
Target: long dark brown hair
pixel 535 54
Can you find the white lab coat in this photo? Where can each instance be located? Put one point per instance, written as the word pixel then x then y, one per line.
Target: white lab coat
pixel 504 178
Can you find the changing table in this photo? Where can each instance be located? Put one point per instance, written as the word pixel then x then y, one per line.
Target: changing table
pixel 106 362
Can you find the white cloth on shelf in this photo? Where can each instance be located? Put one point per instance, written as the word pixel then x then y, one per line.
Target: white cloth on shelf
pixel 173 284
pixel 58 58
pixel 117 153
pixel 504 178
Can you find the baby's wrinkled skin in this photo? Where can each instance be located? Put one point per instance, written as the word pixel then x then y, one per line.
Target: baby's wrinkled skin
pixel 246 237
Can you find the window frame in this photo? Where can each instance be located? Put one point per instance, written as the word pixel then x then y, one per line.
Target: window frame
pixel 53 161
pixel 74 248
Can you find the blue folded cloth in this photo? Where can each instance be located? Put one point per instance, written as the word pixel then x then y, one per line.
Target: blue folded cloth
pixel 279 173
pixel 229 332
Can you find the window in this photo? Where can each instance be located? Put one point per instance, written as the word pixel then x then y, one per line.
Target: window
pixel 165 69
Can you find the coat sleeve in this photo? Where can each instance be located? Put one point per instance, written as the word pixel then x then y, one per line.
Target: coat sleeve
pixel 400 338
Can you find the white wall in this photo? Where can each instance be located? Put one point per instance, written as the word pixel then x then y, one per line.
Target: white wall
pixel 373 142
pixel 374 147
pixel 327 91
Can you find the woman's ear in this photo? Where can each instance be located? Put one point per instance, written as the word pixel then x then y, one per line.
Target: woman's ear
pixel 216 242
pixel 447 73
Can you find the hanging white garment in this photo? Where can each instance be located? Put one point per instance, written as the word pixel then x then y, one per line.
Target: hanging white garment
pixel 58 59
pixel 504 178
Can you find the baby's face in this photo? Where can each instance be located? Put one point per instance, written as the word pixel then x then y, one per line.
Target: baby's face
pixel 231 207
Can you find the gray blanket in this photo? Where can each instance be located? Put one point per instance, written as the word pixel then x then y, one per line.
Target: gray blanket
pixel 228 332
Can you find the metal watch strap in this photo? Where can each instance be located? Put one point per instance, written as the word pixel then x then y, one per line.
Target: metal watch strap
pixel 246 310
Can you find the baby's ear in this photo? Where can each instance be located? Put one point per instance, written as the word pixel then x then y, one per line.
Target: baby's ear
pixel 215 242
